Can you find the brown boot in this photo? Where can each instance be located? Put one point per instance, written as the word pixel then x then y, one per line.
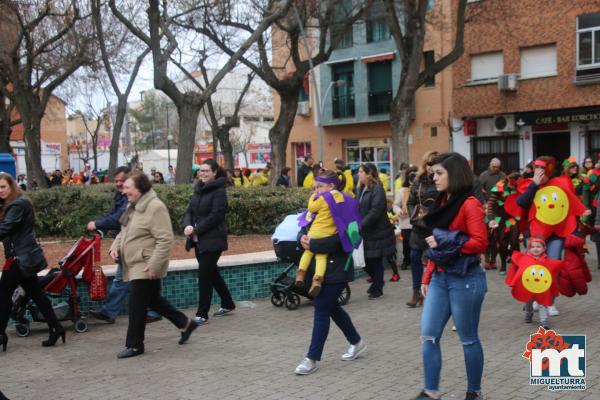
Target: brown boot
pixel 315 288
pixel 417 299
pixel 300 275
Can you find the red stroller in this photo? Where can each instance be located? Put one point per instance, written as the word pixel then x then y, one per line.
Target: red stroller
pixel 82 255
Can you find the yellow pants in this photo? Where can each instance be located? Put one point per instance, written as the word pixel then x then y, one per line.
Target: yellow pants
pixel 320 262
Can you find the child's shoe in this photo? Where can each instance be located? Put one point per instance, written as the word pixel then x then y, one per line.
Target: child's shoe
pixel 528 317
pixel 315 288
pixel 395 278
pixel 553 311
pixel 300 275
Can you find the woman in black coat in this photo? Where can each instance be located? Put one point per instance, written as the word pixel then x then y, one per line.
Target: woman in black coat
pixel 377 231
pixel 204 225
pixel 24 259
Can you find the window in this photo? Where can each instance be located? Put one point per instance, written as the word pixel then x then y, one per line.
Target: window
pixel 588 41
pixel 380 87
pixel 376 151
pixel 377 31
pixel 428 60
pixel 343 96
pixel 538 61
pixel 342 36
pixel 593 140
pixel 505 148
pixel 486 67
pixel 433 131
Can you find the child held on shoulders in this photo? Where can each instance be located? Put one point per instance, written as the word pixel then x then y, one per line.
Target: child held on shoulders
pixel 322 225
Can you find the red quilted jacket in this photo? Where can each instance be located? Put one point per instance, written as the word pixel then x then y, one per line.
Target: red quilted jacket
pixel 575 274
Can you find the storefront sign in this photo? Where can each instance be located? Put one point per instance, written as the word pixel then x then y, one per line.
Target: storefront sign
pixel 560 116
pixel 51 149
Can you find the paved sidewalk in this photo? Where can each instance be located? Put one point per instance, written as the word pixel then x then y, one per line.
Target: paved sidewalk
pixel 252 354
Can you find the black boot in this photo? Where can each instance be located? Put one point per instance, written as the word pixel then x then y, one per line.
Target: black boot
pixel 3 341
pixel 55 332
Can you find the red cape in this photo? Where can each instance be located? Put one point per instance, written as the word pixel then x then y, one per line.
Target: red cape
pixel 533 279
pixel 554 210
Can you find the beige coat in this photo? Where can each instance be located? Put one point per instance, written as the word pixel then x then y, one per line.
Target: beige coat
pixel 146 240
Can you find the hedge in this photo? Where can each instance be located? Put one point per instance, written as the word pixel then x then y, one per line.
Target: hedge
pixel 65 211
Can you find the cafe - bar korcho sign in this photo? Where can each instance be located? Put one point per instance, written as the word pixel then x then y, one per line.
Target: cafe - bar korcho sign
pixel 560 116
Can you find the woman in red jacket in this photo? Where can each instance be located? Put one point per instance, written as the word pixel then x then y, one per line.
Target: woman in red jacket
pixel 457 285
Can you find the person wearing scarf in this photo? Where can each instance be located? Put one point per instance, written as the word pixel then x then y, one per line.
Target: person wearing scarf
pixel 446 292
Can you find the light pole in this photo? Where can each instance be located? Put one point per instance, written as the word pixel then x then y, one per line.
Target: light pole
pixel 340 83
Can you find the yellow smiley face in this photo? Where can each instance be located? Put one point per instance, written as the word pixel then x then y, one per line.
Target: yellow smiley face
pixel 536 278
pixel 551 205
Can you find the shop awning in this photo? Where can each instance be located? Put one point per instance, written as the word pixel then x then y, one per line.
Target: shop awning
pixel 378 57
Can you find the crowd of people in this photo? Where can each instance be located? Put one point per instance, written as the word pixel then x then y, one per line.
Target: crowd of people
pixel 453 226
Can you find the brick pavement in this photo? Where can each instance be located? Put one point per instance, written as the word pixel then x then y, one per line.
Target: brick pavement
pixel 252 355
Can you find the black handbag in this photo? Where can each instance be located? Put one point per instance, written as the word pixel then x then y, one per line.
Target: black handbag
pixel 32 261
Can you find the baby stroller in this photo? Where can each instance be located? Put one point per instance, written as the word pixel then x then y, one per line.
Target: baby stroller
pixel 82 255
pixel 288 250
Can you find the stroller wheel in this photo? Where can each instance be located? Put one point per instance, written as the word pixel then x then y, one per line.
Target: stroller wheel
pixel 23 330
pixel 80 326
pixel 277 300
pixel 292 301
pixel 344 296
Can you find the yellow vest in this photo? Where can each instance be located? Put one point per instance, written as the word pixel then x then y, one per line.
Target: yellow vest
pixel 385 181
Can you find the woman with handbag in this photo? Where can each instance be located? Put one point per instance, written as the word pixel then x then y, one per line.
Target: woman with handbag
pixel 457 285
pixel 24 259
pixel 144 247
pixel 204 225
pixel 421 198
pixel 379 240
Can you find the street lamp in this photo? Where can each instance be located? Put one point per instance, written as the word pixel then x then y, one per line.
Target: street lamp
pixel 340 83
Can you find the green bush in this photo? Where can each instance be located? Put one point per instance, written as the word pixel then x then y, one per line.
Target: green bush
pixel 65 211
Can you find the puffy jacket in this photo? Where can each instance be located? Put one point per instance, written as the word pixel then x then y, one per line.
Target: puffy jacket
pixel 110 222
pixel 447 252
pixel 377 231
pixel 469 219
pixel 575 273
pixel 18 236
pixel 206 213
pixel 336 259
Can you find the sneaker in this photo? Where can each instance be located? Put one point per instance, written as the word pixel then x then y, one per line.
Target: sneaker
pixel 536 307
pixel 306 367
pixel 101 316
pixel 395 278
pixel 545 325
pixel 222 312
pixel 153 318
pixel 354 350
pixel 375 295
pixel 200 320
pixel 528 317
pixel 453 328
pixel 553 311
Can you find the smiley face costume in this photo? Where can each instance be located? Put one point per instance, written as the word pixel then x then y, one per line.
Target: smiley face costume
pixel 534 278
pixel 554 210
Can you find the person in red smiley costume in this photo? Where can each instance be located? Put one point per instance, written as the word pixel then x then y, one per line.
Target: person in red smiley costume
pixel 548 208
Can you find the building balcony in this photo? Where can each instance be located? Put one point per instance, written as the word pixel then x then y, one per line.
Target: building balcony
pixel 343 106
pixel 379 102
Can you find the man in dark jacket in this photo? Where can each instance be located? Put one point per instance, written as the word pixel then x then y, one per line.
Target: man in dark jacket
pixel 110 222
pixel 305 169
pixel 491 176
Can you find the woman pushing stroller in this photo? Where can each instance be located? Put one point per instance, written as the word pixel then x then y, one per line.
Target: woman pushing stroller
pixel 24 259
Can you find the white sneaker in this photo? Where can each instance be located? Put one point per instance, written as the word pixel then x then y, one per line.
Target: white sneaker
pixel 354 350
pixel 553 311
pixel 200 320
pixel 306 367
pixel 536 306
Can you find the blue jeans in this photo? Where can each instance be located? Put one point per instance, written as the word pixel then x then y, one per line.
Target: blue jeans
pixel 374 267
pixel 462 298
pixel 416 267
pixel 117 294
pixel 326 308
pixel 554 247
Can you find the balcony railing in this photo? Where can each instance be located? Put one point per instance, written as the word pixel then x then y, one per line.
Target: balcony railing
pixel 379 102
pixel 343 106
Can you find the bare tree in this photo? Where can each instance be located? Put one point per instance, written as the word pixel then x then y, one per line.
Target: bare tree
pixel 222 123
pixel 50 44
pixel 408 24
pixel 6 120
pixel 162 39
pixel 108 58
pixel 319 19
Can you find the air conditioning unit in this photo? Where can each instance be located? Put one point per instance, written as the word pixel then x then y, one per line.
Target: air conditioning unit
pixel 504 123
pixel 507 82
pixel 303 108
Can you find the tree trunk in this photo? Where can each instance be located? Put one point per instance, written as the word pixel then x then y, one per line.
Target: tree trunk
pixel 188 120
pixel 280 132
pixel 226 147
pixel 116 136
pixel 400 120
pixel 5 131
pixel 95 150
pixel 33 151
